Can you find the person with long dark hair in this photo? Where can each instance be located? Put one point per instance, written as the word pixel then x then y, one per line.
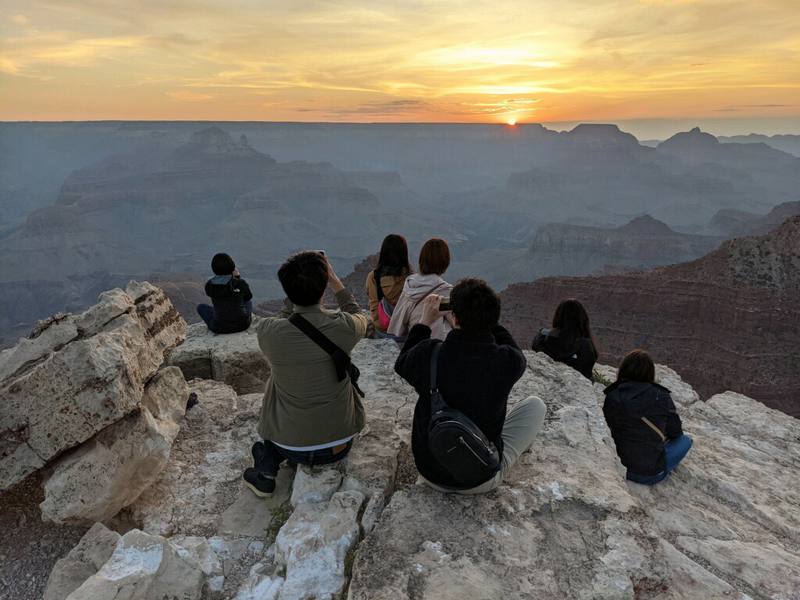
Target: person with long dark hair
pixel 570 339
pixel 644 422
pixel 385 283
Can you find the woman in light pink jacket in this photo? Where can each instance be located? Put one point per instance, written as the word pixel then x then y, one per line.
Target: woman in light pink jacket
pixel 434 258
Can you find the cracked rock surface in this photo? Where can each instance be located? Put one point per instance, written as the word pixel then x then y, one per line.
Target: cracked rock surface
pixel 565 524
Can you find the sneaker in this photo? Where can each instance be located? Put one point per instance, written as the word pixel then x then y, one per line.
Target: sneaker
pixel 259 452
pixel 261 484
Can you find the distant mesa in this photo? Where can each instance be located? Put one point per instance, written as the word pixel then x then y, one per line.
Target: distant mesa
pixel 596 134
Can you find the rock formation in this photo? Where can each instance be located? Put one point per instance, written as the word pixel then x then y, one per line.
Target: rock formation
pixel 77 374
pixel 738 223
pixel 567 250
pixel 727 321
pixel 565 523
pixel 237 361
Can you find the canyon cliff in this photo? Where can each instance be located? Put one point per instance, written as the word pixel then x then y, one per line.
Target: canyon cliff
pixel 152 505
pixel 729 320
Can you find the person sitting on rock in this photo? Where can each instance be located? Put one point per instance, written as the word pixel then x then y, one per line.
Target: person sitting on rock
pixel 311 409
pixel 434 258
pixel 643 421
pixel 232 300
pixel 570 339
pixel 385 284
pixel 478 364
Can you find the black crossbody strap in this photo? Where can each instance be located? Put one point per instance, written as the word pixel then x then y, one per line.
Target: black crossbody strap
pixel 340 359
pixel 437 346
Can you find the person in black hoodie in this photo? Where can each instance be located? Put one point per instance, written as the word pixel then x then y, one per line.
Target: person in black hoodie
pixel 230 294
pixel 643 421
pixel 570 339
pixel 479 363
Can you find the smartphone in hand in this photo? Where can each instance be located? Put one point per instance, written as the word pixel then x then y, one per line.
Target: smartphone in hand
pixel 444 306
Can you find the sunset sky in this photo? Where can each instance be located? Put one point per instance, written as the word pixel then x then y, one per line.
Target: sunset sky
pixel 398 60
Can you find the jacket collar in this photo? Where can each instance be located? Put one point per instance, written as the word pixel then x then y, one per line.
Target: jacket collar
pixel 636 387
pixel 314 308
pixel 460 336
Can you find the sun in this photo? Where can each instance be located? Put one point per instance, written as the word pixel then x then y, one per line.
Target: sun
pixel 511 122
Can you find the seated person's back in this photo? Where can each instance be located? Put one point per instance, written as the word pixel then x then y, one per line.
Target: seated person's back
pixel 643 421
pixel 231 298
pixel 570 339
pixel 434 259
pixel 310 413
pixel 384 285
pixel 479 363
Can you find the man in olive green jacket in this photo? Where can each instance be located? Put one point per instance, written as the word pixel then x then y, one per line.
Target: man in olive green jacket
pixel 308 415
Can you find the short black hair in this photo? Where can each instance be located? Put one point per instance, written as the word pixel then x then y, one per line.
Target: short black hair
pixel 304 277
pixel 222 264
pixel 475 305
pixel 637 366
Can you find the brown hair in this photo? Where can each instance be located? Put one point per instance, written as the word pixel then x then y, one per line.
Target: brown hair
pixel 434 258
pixel 637 366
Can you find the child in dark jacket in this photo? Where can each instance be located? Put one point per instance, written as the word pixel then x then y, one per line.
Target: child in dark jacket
pixel 644 422
pixel 232 301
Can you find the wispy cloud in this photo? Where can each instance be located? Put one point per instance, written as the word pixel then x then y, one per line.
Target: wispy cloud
pixel 401 60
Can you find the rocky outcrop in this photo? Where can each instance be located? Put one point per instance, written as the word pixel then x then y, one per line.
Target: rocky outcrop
pixel 727 321
pixel 737 223
pixel 564 524
pixel 149 567
pixel 83 561
pixel 77 374
pixel 110 471
pixel 642 243
pixel 234 359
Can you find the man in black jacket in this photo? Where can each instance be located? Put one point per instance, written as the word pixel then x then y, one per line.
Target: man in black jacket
pixel 231 296
pixel 479 363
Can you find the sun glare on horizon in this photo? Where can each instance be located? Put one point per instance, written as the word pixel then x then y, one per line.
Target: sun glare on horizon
pixel 621 60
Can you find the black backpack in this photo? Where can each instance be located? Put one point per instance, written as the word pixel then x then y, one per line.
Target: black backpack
pixel 457 444
pixel 341 360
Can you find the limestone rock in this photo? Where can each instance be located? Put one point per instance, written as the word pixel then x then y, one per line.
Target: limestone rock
pixel 259 585
pixel 203 476
pixel 59 391
pixel 315 484
pixel 111 470
pixel 147 567
pixel 83 561
pixel 566 524
pixel 232 358
pixel 314 543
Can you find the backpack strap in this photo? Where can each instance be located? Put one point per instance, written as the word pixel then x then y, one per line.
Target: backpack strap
pixel 652 426
pixel 437 402
pixel 340 359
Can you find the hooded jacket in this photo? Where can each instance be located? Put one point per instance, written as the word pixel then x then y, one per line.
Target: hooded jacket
pixel 476 374
pixel 229 294
pixel 641 417
pixel 408 311
pixel 580 354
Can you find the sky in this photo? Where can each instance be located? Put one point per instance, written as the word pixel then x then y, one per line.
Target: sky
pixel 734 64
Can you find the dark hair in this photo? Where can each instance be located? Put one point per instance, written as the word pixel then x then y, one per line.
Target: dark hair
pixel 572 322
pixel 393 259
pixel 304 278
pixel 637 366
pixel 475 305
pixel 434 258
pixel 222 264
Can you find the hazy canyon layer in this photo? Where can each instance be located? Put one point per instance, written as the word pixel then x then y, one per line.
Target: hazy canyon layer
pixel 89 206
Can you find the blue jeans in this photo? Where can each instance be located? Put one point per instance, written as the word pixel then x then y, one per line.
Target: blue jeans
pixel 206 312
pixel 674 452
pixel 275 455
